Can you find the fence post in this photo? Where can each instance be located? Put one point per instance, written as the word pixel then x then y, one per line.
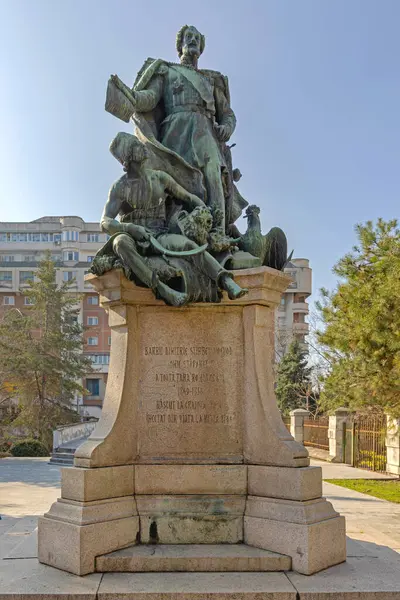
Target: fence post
pixel 336 432
pixel 393 445
pixel 297 417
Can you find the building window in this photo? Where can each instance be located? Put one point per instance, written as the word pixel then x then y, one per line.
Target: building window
pixel 93 300
pixel 299 298
pixel 57 238
pixel 100 359
pixel 25 276
pixel 69 275
pixel 7 258
pixel 5 275
pixel 93 386
pixel 8 300
pixel 70 255
pixel 29 258
pixel 92 321
pixel 299 318
pixel 293 275
pixel 70 236
pixel 90 258
pixel 109 340
pixel 28 301
pixel 93 341
pixel 92 237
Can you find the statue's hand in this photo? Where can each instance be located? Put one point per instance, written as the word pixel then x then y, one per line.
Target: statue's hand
pixel 223 133
pixel 122 87
pixel 137 232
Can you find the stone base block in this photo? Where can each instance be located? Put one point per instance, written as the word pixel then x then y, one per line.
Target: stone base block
pixel 191 529
pixel 311 511
pixel 85 513
pixel 192 479
pixel 74 548
pixel 73 533
pixel 312 546
pixel 393 469
pixel 196 586
pixel 303 483
pixel 187 519
pixel 191 558
pixel 85 485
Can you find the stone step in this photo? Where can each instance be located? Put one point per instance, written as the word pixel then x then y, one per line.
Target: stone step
pixel 191 558
pixel 61 462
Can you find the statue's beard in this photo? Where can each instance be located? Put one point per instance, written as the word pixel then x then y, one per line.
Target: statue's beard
pixel 190 53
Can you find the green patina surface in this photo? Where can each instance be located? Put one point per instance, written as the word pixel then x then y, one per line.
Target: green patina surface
pixel 177 201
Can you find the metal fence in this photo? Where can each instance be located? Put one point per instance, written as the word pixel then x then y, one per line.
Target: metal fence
pixel 316 432
pixel 369 447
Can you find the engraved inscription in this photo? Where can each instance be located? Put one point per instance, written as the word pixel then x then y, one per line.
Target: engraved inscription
pixel 189 393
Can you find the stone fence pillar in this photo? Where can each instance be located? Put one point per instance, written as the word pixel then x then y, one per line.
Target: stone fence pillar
pixel 297 417
pixel 393 445
pixel 336 433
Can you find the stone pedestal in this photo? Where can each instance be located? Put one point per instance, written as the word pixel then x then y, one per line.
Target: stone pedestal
pixel 190 447
pixel 393 445
pixel 297 417
pixel 336 433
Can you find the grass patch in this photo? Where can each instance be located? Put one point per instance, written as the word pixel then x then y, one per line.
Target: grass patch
pixel 380 488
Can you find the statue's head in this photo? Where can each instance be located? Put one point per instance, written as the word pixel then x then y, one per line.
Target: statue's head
pixel 128 149
pixel 252 212
pixel 189 41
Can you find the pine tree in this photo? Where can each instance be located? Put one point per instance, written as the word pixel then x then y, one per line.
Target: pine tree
pixel 41 358
pixel 362 323
pixel 293 385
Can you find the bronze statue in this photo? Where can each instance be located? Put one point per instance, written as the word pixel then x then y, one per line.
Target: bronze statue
pixel 149 204
pixel 186 111
pixel 178 201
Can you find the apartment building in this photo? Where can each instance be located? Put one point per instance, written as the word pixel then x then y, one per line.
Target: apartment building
pixel 73 244
pixel 291 315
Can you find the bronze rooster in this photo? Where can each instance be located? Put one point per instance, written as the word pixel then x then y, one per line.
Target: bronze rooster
pixel 271 248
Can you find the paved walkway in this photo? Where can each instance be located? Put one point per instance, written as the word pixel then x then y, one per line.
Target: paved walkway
pixel 339 471
pixel 28 486
pixel 368 519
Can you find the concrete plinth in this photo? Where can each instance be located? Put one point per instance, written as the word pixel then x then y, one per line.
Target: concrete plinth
pixel 190 447
pixel 368 576
pixel 192 558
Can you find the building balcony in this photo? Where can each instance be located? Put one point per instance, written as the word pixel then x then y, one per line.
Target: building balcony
pixel 301 328
pixel 301 307
pixel 92 401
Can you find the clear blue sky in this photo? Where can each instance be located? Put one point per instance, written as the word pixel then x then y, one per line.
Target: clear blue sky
pixel 315 85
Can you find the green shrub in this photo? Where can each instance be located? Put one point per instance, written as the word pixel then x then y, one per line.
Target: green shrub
pixel 29 448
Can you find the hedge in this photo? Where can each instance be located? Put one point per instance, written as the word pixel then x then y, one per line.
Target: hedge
pixel 29 448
